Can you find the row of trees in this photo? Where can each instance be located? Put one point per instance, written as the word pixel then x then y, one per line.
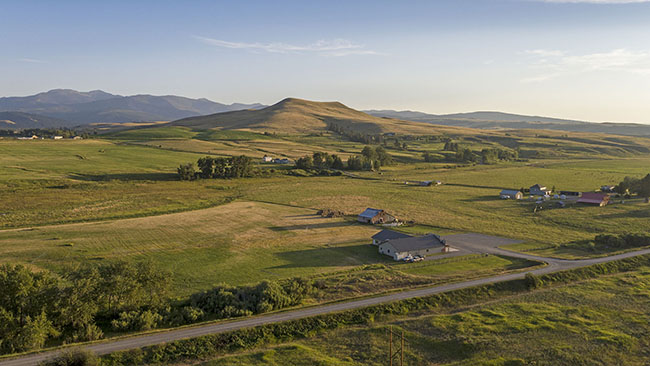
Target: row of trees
pixel 218 168
pixel 37 307
pixel 320 160
pixel 371 158
pixel 356 136
pixel 486 156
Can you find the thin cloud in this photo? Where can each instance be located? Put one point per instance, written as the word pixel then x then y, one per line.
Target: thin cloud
pixel 31 60
pixel 337 47
pixel 550 64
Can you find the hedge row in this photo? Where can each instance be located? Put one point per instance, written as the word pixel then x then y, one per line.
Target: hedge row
pixel 217 344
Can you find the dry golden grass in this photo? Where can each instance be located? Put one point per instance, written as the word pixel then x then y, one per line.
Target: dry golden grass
pixel 297 116
pixel 240 242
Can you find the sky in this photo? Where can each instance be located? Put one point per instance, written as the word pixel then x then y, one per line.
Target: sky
pixel 578 59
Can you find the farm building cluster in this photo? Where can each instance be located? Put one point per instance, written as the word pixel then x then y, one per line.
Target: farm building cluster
pixel 400 246
pixel 55 137
pixel 269 159
pixel 541 194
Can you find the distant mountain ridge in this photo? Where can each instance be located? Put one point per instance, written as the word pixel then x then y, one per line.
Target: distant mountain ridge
pixel 500 120
pixel 73 108
pixel 10 120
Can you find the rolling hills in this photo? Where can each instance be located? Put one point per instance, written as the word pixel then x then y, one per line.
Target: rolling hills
pixel 499 120
pixel 299 116
pixel 75 108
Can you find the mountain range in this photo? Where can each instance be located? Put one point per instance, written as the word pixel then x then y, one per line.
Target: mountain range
pixel 67 108
pixel 499 120
pixel 70 108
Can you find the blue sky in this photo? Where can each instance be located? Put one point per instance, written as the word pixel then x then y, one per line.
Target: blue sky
pixel 577 59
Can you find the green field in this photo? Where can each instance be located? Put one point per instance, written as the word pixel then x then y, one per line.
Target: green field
pixel 602 321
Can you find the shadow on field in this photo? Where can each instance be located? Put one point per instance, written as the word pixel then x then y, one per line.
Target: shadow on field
pixel 638 214
pixel 324 225
pixel 332 256
pixel 125 177
pixel 473 186
pixel 482 198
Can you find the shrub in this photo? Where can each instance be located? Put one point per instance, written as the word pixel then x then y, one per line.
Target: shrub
pixel 74 357
pixel 136 320
pixel 532 281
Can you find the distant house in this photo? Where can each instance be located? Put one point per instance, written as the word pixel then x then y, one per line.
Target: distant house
pixel 267 159
pixel 386 235
pixel 375 216
pixel 511 194
pixel 77 138
pixel 607 189
pixel 594 198
pixel 33 137
pixel 57 137
pixel 417 245
pixel 539 190
pixel 570 193
pixel 281 161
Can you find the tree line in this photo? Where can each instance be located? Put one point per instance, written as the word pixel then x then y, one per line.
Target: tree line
pixel 218 168
pixel 371 158
pixel 39 307
pixel 79 306
pixel 467 155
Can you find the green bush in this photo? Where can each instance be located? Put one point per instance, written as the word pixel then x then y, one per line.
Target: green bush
pixel 75 357
pixel 137 320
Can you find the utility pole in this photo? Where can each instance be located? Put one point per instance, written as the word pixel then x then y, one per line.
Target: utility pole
pixel 399 353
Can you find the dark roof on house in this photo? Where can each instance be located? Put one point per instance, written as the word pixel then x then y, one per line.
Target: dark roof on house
pixel 370 213
pixel 389 235
pixel 417 243
pixel 509 192
pixel 538 186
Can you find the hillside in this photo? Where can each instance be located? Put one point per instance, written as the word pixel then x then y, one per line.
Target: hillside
pixel 19 120
pixel 299 116
pixel 499 120
pixel 97 106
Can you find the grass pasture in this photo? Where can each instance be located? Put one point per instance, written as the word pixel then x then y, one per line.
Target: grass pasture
pixel 236 243
pixel 243 231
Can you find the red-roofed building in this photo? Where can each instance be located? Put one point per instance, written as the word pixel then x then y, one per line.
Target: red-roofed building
pixel 594 198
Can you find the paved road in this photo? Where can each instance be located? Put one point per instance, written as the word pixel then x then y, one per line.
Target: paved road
pixel 468 242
